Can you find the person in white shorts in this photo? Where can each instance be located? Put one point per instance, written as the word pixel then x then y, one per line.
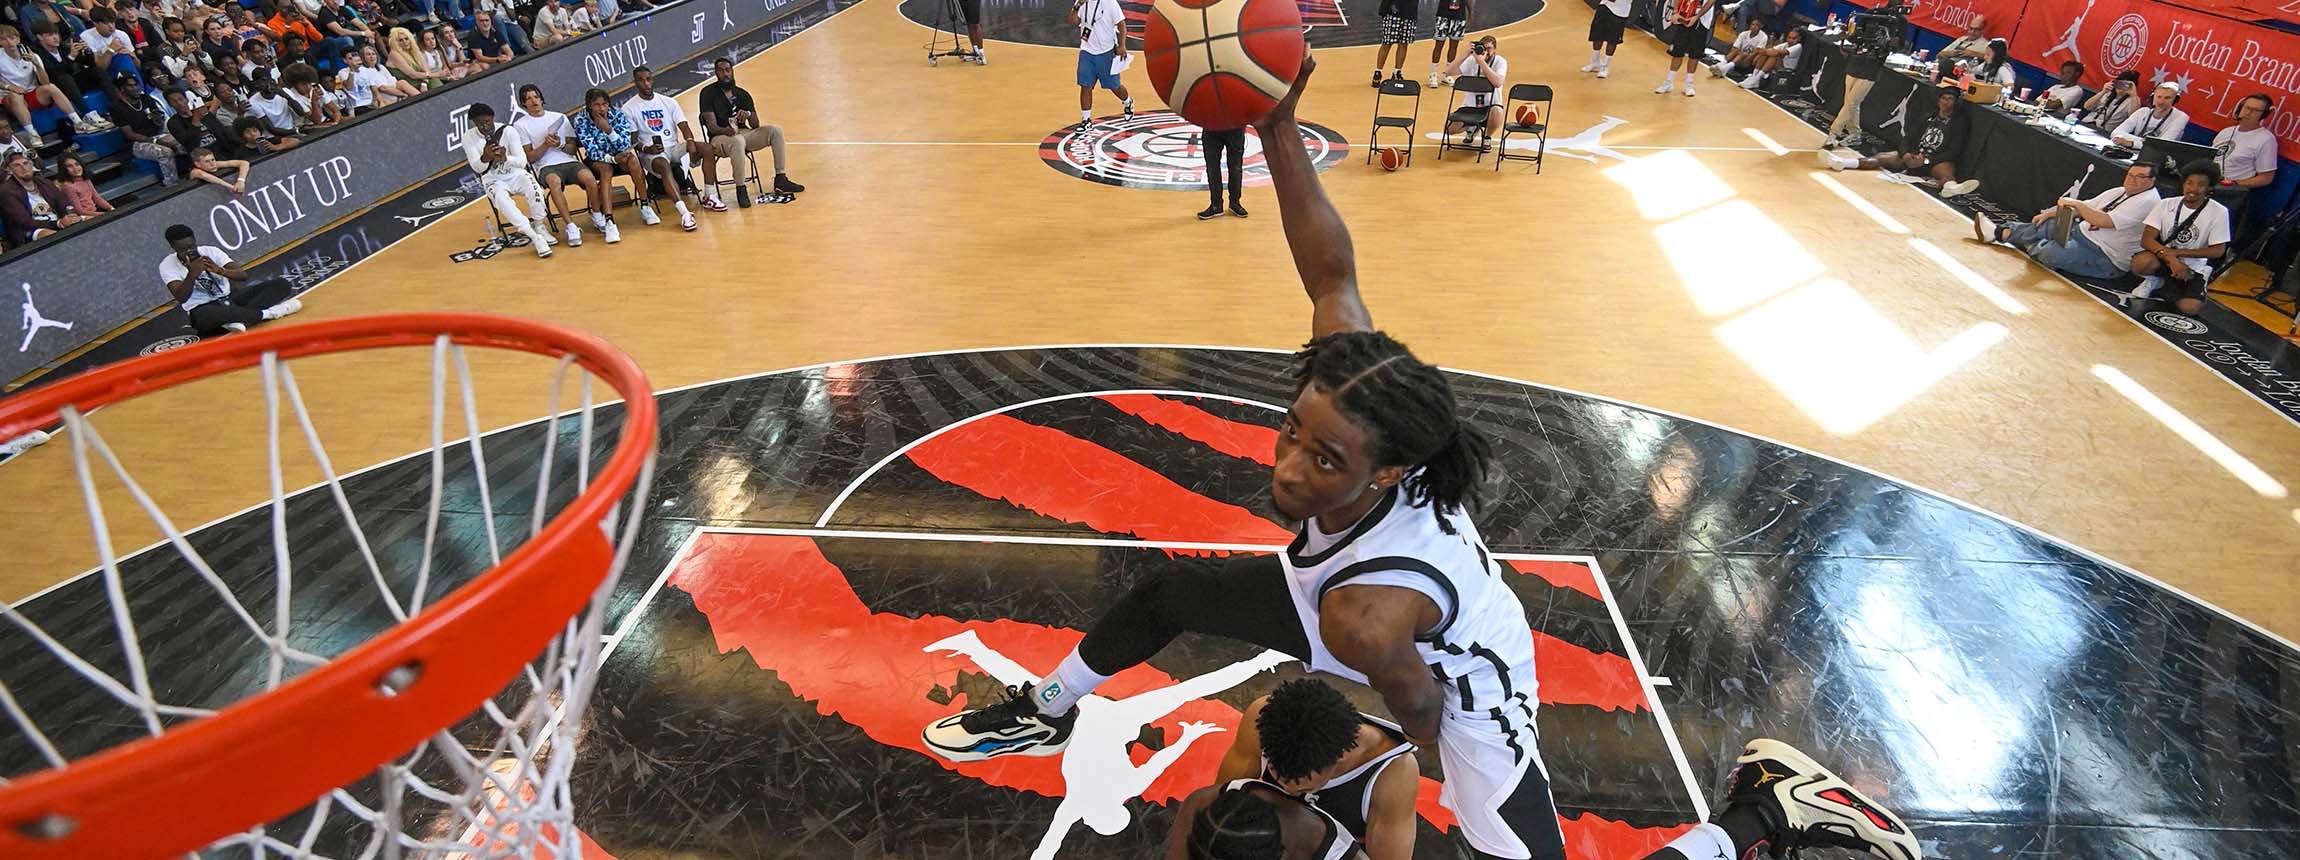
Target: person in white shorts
pixel 551 149
pixel 498 155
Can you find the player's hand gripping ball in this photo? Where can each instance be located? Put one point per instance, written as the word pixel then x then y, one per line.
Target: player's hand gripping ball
pixel 1223 63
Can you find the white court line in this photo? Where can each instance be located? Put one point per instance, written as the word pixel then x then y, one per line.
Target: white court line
pixel 1652 694
pixel 631 618
pixel 2295 421
pixel 849 489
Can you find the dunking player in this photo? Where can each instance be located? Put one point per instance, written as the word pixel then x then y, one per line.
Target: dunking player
pixel 1388 584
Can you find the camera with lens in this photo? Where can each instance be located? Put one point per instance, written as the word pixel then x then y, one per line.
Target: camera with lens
pixel 1477 47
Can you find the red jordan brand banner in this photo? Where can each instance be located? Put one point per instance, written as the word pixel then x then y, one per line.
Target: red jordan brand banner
pixel 1953 16
pixel 2215 60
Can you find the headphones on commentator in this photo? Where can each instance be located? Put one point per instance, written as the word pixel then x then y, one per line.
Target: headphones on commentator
pixel 2267 105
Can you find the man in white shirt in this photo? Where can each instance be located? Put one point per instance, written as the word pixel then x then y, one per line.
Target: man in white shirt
pixel 662 135
pixel 2181 239
pixel 2160 120
pixel 1973 45
pixel 1482 109
pixel 271 108
pixel 1101 46
pixel 200 278
pixel 499 156
pixel 2067 95
pixel 364 81
pixel 551 149
pixel 2248 148
pixel 1744 50
pixel 2105 243
pixel 109 48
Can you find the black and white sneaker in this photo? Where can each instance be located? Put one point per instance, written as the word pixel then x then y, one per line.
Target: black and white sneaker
pixel 1011 727
pixel 1809 807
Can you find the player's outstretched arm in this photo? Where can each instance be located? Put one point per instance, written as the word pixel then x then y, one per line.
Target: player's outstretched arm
pixel 1314 231
pixel 1371 628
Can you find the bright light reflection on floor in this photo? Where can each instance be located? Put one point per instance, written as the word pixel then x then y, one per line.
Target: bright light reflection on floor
pixel 1971 279
pixel 1766 141
pixel 1732 257
pixel 1668 184
pixel 1841 361
pixel 1862 203
pixel 2188 431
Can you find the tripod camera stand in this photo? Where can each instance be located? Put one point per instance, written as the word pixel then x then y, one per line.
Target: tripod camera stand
pixel 951 21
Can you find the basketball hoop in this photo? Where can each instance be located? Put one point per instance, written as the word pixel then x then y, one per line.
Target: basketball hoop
pixel 449 731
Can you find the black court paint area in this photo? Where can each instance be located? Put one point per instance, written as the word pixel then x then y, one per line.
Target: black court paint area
pixel 836 556
pixel 1332 23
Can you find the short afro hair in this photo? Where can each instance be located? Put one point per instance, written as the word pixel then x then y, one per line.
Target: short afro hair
pixel 1306 727
pixel 1238 824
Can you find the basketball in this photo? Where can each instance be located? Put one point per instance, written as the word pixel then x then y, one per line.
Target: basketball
pixel 1528 115
pixel 1242 58
pixel 1393 157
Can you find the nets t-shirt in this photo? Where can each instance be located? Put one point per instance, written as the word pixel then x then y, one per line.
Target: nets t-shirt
pixel 656 119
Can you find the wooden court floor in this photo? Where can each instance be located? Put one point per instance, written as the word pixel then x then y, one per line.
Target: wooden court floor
pixel 1689 267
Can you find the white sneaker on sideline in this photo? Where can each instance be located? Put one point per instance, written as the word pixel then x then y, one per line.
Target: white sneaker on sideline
pixel 614 232
pixel 287 307
pixel 2148 286
pixel 1960 189
pixel 1688 86
pixel 574 236
pixel 687 221
pixel 1590 68
pixel 543 229
pixel 1667 87
pixel 542 243
pixel 647 215
pixel 235 328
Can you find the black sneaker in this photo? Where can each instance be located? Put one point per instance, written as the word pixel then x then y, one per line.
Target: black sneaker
pixel 1128 109
pixel 1809 807
pixel 1011 727
pixel 1237 210
pixel 743 196
pixel 1377 78
pixel 786 186
pixel 1211 212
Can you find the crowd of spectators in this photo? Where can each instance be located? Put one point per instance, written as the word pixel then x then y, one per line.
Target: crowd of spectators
pixel 203 89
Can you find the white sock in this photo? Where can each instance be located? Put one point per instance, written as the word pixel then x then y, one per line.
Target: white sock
pixel 1126 103
pixel 1757 76
pixel 598 222
pixel 1605 62
pixel 1703 842
pixel 682 207
pixel 1085 115
pixel 1071 681
pixel 1596 56
pixel 75 118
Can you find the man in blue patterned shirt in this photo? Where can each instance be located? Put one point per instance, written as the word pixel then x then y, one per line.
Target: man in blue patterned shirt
pixel 607 138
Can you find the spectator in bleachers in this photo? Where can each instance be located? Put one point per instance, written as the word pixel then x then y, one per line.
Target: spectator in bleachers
pixel 30 206
pixel 142 123
pixel 219 44
pixel 378 18
pixel 2108 108
pixel 60 61
pixel 257 54
pixel 2103 240
pixel 56 15
pixel 486 44
pixel 24 81
pixel 246 26
pixel 312 106
pixel 506 22
pixel 194 126
pixel 72 179
pixel 2068 94
pixel 432 8
pixel 588 18
pixel 2162 119
pixel 440 51
pixel 324 42
pixel 551 151
pixel 340 25
pixel 109 48
pixel 663 136
pixel 14 139
pixel 553 24
pixel 293 49
pixel 1782 57
pixel 2182 239
pixel 269 106
pixel 609 141
pixel 731 116
pixel 407 60
pixel 497 154
pixel 206 167
pixel 201 277
pixel 369 84
pixel 251 140
pixel 179 50
pixel 1929 148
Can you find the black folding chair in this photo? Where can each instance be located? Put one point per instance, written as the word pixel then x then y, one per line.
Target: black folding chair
pixel 1531 94
pixel 1398 88
pixel 1472 118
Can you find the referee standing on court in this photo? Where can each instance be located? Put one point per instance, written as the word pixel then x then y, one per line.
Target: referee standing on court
pixel 1216 144
pixel 1101 44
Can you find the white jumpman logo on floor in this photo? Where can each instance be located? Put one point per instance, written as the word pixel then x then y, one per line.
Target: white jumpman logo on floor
pixel 2068 39
pixel 1586 146
pixel 34 322
pixel 1098 777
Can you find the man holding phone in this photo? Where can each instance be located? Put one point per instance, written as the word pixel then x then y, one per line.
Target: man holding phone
pixel 201 277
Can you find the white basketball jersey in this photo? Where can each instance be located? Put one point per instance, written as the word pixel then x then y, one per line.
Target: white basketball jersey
pixel 1482 648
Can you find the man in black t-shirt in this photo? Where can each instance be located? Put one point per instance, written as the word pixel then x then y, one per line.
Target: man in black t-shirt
pixel 1929 150
pixel 1399 19
pixel 140 122
pixel 731 118
pixel 1452 24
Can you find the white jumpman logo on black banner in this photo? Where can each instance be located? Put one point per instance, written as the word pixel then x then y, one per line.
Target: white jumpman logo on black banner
pixel 34 322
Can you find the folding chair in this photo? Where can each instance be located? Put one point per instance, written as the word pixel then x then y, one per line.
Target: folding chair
pixel 758 185
pixel 1472 119
pixel 1399 88
pixel 1525 94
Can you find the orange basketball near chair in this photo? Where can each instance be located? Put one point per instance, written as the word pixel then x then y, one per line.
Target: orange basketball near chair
pixel 1243 56
pixel 1528 115
pixel 1393 157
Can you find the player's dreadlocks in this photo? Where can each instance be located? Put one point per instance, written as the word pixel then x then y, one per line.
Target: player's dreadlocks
pixel 1236 825
pixel 1306 726
pixel 1409 407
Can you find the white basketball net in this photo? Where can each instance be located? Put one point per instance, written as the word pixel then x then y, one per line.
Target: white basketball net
pixel 493 786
